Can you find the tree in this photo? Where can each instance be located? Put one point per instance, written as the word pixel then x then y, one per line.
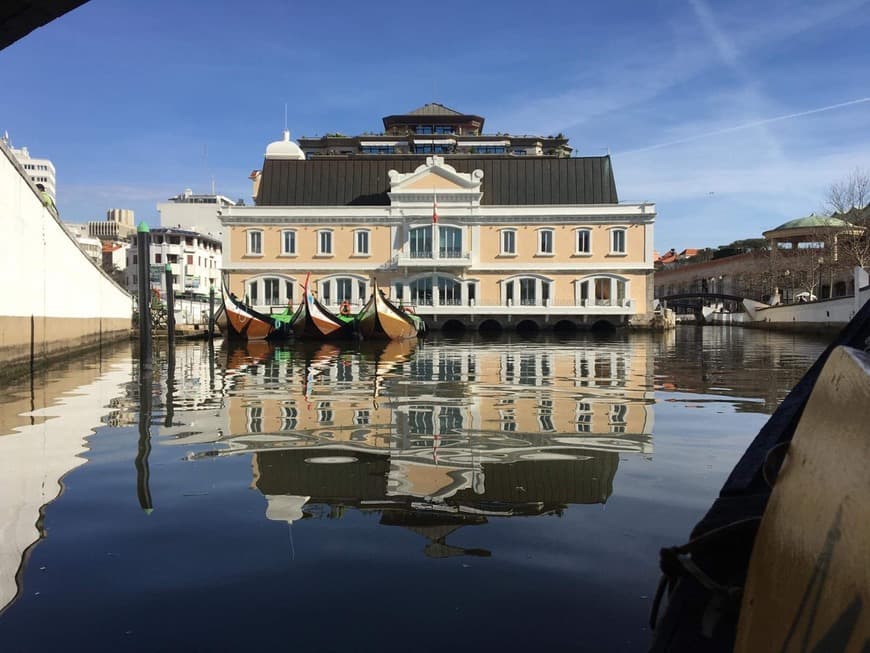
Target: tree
pixel 851 193
pixel 849 200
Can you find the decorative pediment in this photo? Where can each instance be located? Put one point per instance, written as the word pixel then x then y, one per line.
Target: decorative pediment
pixel 431 180
pixel 435 178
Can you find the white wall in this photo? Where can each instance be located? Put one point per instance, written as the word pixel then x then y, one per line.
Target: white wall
pixel 833 312
pixel 44 271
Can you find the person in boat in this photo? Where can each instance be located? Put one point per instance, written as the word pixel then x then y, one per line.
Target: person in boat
pixel 345 308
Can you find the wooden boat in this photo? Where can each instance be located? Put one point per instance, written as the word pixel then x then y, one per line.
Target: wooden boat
pixel 380 319
pixel 780 561
pixel 314 320
pixel 251 324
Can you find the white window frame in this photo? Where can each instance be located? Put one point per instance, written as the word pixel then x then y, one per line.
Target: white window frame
pixel 501 242
pixel 552 233
pixel 249 240
pixel 320 234
pixel 357 250
pixel 284 250
pixel 588 250
pixel 624 250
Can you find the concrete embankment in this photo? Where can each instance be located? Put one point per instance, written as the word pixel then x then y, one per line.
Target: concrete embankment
pixel 56 300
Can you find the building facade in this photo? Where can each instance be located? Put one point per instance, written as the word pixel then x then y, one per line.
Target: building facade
pixel 118 225
pixel 434 129
pixel 194 260
pixel 467 239
pixel 194 212
pixel 41 171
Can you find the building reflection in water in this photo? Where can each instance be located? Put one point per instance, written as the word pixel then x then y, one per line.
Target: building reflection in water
pixel 43 438
pixel 431 435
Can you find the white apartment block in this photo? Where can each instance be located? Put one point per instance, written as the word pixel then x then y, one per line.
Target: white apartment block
pixel 194 212
pixel 194 260
pixel 41 171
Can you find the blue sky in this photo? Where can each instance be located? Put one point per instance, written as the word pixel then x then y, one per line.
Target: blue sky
pixel 135 101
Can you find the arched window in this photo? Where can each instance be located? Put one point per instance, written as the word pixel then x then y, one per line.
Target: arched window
pixel 421 291
pixel 449 292
pixel 528 290
pixel 420 241
pixel 602 290
pixel 269 290
pixel 333 290
pixel 449 242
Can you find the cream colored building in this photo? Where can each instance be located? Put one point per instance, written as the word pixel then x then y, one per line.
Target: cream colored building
pixel 466 239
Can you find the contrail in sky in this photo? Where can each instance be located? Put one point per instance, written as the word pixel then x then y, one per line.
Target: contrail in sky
pixel 747 125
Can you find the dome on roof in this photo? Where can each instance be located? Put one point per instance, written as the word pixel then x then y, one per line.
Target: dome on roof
pixel 813 222
pixel 284 149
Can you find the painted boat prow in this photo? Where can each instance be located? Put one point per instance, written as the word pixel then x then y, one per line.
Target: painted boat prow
pixel 316 321
pixel 789 530
pixel 243 321
pixel 809 575
pixel 380 318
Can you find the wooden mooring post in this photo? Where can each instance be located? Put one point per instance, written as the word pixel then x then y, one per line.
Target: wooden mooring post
pixel 211 312
pixel 170 308
pixel 143 244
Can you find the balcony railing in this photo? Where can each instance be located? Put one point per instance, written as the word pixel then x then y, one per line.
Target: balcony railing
pixel 419 257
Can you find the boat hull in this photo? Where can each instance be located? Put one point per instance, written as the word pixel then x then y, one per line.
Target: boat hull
pixel 245 325
pixel 315 321
pixel 249 324
pixel 380 319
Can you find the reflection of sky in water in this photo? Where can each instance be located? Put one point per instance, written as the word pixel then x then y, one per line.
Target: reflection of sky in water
pixel 283 478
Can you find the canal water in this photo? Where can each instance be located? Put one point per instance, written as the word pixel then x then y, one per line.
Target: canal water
pixel 449 494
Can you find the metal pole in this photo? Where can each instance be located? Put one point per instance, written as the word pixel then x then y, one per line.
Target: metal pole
pixel 170 307
pixel 143 243
pixel 211 312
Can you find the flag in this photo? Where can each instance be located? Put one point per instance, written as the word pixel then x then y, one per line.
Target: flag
pixel 434 207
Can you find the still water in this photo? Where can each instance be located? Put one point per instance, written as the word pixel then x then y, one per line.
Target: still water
pixel 463 495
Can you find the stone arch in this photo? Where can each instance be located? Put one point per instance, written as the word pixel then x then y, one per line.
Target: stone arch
pixel 565 327
pixel 528 326
pixel 490 326
pixel 603 326
pixel 453 326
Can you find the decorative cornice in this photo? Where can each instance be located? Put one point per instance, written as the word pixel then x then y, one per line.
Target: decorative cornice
pixel 398 216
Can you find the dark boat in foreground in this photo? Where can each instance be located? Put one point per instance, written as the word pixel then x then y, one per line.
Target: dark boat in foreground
pixel 781 561
pixel 314 320
pixel 381 319
pixel 251 324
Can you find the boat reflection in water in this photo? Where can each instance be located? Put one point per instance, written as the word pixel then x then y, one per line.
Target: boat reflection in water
pixel 431 436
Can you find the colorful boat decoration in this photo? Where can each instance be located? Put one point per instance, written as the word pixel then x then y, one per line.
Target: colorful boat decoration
pixel 251 324
pixel 381 319
pixel 314 320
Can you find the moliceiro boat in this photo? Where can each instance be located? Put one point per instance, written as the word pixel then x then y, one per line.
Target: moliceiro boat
pixel 251 324
pixel 381 319
pixel 314 320
pixel 780 561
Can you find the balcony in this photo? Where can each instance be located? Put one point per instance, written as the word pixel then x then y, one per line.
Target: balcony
pixel 428 258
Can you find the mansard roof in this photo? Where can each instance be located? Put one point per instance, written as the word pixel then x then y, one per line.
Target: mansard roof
pixel 434 109
pixel 507 180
